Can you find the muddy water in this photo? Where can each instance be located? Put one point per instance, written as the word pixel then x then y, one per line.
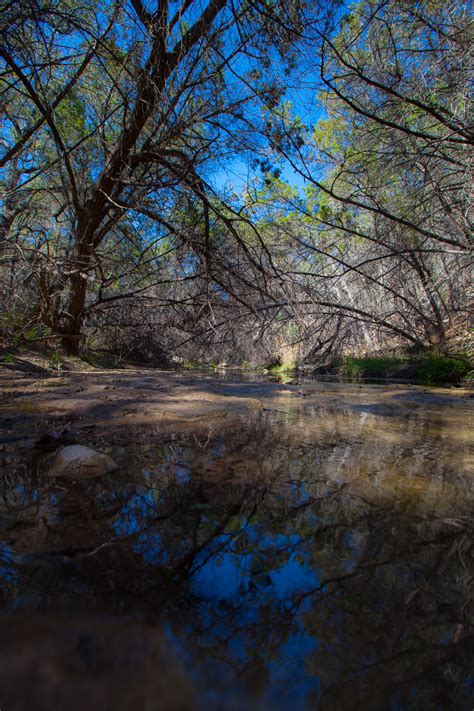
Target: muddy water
pixel 259 547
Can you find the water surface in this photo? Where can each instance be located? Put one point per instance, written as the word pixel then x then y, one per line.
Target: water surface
pixel 297 557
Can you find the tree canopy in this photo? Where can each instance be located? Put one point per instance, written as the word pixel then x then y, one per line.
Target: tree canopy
pixel 348 125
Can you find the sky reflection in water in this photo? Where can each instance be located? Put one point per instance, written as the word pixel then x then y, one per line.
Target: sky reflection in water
pixel 316 560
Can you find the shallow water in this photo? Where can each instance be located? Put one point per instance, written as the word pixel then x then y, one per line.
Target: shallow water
pixel 317 556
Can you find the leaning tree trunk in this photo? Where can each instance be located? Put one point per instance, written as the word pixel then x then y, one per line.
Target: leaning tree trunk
pixel 150 83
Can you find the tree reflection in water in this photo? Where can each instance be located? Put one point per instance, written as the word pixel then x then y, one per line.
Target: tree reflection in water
pixel 318 561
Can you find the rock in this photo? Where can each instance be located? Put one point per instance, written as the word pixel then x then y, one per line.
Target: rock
pixel 79 461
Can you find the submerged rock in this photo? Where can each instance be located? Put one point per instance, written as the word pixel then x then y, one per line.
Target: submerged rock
pixel 79 461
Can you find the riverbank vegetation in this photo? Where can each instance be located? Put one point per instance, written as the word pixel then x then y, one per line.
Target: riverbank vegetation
pixel 427 368
pixel 258 182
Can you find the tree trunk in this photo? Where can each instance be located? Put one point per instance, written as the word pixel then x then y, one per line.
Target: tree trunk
pixel 74 317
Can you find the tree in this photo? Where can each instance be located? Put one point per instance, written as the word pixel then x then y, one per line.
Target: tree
pixel 117 117
pixel 388 209
pixel 120 105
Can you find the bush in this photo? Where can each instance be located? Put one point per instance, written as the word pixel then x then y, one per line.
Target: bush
pixel 358 368
pixel 429 368
pixel 441 369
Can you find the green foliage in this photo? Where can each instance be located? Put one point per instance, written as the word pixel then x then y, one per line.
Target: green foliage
pixel 441 369
pixel 277 367
pixel 16 327
pixel 11 324
pixel 358 368
pixel 194 365
pixel 71 117
pixel 33 333
pixel 429 368
pixel 294 330
pixel 56 361
pixel 369 232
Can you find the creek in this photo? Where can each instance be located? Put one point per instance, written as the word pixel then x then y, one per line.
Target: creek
pixel 312 550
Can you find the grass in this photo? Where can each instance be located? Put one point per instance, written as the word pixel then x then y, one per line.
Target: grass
pixel 427 368
pixel 278 368
pixel 56 361
pixel 195 365
pixel 357 368
pixel 441 369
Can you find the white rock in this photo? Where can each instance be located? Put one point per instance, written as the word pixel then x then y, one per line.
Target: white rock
pixel 79 461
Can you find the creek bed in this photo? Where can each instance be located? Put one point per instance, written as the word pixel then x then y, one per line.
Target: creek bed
pixel 261 546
